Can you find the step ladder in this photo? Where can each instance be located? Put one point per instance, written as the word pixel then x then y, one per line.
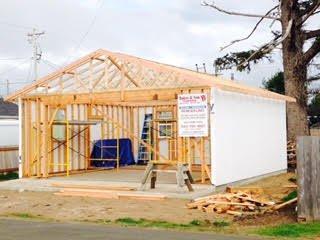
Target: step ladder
pixel 144 155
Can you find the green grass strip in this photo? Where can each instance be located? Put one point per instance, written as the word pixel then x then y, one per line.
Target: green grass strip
pixel 292 230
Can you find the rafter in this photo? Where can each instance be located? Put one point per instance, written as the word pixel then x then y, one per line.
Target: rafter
pixel 125 73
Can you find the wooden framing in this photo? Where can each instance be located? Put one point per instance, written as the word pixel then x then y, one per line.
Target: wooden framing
pixel 118 120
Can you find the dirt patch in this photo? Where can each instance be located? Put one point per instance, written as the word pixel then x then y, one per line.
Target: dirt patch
pixel 48 205
pixel 284 216
pixel 273 187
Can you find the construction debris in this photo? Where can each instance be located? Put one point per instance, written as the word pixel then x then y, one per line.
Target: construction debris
pixel 107 193
pixel 237 201
pixel 292 155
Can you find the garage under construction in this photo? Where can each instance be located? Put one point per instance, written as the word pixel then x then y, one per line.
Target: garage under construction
pixel 109 110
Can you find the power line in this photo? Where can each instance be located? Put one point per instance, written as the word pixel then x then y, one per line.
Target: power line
pixel 52 63
pixel 48 63
pixel 99 6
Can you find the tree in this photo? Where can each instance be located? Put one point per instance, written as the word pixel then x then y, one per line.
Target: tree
pixel 275 83
pixel 314 109
pixel 299 48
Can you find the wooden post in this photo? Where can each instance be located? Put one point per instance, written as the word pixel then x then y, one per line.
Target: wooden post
pixel 27 132
pixel 21 145
pixel 308 168
pixel 67 148
pixel 45 140
pixel 38 145
pixel 203 161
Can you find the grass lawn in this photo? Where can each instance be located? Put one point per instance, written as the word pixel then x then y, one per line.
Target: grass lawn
pixel 193 225
pixel 296 230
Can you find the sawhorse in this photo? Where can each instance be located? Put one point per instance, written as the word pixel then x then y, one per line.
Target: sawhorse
pixel 181 170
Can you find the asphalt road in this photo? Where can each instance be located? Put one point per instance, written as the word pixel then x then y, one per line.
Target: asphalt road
pixel 24 229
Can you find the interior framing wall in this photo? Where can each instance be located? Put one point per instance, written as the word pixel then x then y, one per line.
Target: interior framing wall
pixel 41 155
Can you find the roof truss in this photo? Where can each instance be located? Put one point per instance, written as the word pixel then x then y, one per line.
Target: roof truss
pixel 104 70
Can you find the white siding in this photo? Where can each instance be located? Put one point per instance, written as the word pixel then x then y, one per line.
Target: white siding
pixel 248 136
pixel 9 132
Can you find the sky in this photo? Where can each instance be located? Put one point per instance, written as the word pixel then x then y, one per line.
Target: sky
pixel 179 32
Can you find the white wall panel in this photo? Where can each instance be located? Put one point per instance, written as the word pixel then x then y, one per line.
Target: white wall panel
pixel 9 132
pixel 248 136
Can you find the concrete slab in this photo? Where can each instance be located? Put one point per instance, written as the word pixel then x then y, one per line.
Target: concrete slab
pixel 166 183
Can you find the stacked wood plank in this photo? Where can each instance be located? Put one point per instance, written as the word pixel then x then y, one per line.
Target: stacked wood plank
pixel 105 192
pixel 291 155
pixel 237 202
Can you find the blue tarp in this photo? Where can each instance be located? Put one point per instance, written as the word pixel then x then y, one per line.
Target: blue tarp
pixel 109 151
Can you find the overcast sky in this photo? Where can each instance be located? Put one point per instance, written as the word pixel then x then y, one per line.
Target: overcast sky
pixel 178 32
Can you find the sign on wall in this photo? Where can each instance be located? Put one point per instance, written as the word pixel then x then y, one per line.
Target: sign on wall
pixel 193 115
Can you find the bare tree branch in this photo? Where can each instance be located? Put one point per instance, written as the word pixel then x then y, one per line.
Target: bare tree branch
pixel 312 51
pixel 267 48
pixel 311 11
pixel 253 30
pixel 212 5
pixel 316 12
pixel 312 34
pixel 314 91
pixel 313 78
pixel 309 8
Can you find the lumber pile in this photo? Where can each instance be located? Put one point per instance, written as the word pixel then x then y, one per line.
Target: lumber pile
pixel 105 192
pixel 292 155
pixel 237 203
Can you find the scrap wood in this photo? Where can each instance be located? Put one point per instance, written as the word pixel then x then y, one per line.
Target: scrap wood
pixel 108 194
pixel 102 187
pixel 215 196
pixel 235 213
pixel 231 203
pixel 237 201
pixel 261 203
pixel 290 186
pixel 276 207
pixel 83 194
pixel 248 190
pixel 142 196
pixel 86 190
pixel 292 154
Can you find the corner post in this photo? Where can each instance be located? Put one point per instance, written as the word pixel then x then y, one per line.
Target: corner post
pixel 20 137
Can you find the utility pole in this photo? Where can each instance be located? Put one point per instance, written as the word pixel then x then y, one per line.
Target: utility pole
pixel 8 88
pixel 203 68
pixel 33 37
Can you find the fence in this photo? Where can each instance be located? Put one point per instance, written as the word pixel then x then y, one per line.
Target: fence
pixel 308 168
pixel 9 158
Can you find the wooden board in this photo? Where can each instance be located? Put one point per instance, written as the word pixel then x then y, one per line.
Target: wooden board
pixel 101 187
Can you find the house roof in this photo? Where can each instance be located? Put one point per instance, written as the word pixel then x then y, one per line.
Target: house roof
pixel 104 70
pixel 8 108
